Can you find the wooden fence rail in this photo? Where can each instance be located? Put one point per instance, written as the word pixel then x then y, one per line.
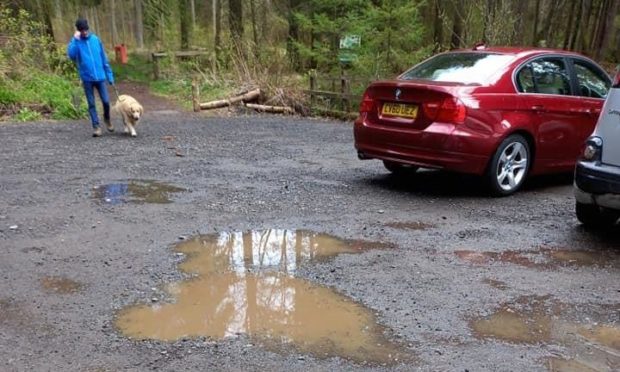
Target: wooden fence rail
pixel 340 91
pixel 179 54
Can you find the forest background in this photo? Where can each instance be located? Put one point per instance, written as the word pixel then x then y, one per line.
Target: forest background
pixel 272 44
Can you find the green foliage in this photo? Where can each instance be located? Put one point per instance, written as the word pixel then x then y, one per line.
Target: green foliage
pixel 26 114
pixel 139 68
pixel 392 35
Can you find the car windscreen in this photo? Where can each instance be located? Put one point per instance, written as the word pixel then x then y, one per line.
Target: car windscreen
pixel 466 68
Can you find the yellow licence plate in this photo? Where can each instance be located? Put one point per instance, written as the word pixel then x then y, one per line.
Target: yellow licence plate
pixel 400 109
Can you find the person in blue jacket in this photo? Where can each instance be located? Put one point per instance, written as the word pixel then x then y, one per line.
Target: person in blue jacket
pixel 86 50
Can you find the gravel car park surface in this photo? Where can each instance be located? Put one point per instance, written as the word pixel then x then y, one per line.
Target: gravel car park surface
pixel 459 286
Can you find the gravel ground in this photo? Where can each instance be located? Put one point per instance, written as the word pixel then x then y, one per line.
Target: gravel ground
pixel 270 172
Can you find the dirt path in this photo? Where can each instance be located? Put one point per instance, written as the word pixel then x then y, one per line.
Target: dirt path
pixel 150 102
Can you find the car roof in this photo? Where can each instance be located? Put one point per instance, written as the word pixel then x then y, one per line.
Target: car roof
pixel 518 51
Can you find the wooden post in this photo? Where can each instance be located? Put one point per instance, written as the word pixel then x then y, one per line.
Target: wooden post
pixel 344 91
pixel 155 67
pixel 312 87
pixel 195 95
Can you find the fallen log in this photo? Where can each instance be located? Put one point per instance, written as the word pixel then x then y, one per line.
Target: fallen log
pixel 272 109
pixel 247 97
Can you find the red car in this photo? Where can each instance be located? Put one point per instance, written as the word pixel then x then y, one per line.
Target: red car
pixel 504 113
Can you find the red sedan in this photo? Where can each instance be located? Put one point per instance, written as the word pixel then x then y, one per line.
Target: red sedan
pixel 504 113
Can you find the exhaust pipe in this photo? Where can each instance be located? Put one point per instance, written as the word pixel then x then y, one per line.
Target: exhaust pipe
pixel 362 156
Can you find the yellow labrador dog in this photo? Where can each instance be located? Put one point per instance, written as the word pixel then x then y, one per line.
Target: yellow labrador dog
pixel 131 110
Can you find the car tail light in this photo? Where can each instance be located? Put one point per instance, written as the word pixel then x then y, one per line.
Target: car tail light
pixel 367 104
pixel 593 149
pixel 450 110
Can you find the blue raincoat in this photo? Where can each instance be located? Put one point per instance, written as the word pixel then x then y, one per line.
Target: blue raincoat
pixel 90 58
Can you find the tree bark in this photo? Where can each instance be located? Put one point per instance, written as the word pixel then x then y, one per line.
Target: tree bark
pixel 569 26
pixel 235 19
pixel 139 25
pixel 535 28
pixel 113 20
pixel 247 97
pixel 184 20
pixel 217 27
pixel 457 26
pixel 254 27
pixel 437 26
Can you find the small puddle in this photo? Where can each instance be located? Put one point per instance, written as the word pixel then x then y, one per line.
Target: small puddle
pixel 496 283
pixel 414 225
pixel 246 283
pixel 61 285
pixel 544 258
pixel 589 334
pixel 136 192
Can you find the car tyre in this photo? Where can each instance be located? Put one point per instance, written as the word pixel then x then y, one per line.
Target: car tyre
pixel 398 168
pixel 592 216
pixel 509 165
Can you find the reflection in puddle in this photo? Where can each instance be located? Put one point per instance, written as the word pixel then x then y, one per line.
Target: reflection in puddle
pixel 55 284
pixel 136 192
pixel 246 284
pixel 544 258
pixel 593 344
pixel 415 225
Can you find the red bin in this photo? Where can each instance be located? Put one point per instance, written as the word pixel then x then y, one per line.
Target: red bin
pixel 121 53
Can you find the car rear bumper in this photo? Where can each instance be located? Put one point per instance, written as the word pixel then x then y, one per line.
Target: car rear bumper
pixel 440 146
pixel 597 184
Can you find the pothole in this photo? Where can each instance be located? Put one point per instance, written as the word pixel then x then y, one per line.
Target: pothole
pixel 412 225
pixel 246 283
pixel 544 258
pixel 136 192
pixel 589 334
pixel 61 285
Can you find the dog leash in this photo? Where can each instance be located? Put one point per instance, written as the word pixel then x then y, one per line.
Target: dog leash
pixel 116 91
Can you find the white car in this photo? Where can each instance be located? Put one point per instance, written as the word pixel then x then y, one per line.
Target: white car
pixel 597 174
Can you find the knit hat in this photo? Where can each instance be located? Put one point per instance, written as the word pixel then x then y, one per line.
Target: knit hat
pixel 81 24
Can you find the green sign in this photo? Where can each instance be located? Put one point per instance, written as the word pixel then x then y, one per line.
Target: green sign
pixel 348 46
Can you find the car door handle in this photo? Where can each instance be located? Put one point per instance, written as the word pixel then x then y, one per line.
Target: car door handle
pixel 538 108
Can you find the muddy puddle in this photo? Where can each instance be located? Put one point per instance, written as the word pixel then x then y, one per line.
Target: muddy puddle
pixel 413 225
pixel 61 285
pixel 589 334
pixel 136 192
pixel 246 283
pixel 544 258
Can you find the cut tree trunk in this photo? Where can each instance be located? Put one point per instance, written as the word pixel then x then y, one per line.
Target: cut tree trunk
pixel 247 97
pixel 272 109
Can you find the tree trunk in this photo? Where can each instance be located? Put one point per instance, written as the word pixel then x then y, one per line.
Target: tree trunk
pixel 254 27
pixel 184 23
pixel 577 29
pixel 437 26
pixel 457 26
pixel 192 8
pixel 535 28
pixel 569 26
pixel 217 27
pixel 293 35
pixel 235 20
pixel 139 25
pixel 113 20
pixel 605 26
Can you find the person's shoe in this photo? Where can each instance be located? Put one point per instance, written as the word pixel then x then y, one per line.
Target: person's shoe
pixel 97 132
pixel 109 126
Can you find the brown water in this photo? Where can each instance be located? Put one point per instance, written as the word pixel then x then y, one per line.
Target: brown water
pixel 136 192
pixel 415 225
pixel 544 258
pixel 590 343
pixel 56 284
pixel 245 284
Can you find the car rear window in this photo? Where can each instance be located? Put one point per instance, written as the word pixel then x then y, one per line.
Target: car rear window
pixel 466 68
